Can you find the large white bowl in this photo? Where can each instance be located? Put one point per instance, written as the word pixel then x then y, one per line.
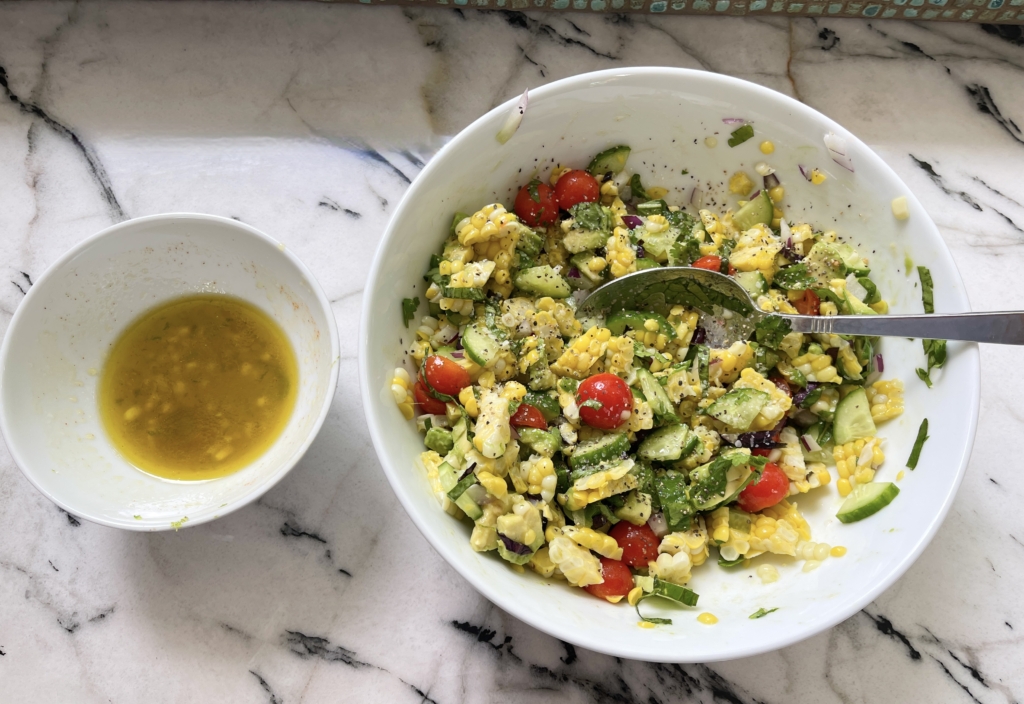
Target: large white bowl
pixel 664 115
pixel 62 331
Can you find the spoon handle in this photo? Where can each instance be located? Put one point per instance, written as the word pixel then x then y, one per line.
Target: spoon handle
pixel 1001 328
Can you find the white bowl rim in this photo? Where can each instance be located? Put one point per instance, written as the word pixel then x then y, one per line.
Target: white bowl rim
pixel 482 585
pixel 256 490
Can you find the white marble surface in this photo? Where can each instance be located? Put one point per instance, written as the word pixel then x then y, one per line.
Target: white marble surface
pixel 308 121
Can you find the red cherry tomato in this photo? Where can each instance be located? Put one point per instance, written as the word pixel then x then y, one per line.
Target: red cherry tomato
pixel 527 416
pixel 761 452
pixel 712 262
pixel 576 187
pixel 445 376
pixel 428 403
pixel 810 304
pixel 770 489
pixel 536 205
pixel 639 543
pixel 614 396
pixel 618 580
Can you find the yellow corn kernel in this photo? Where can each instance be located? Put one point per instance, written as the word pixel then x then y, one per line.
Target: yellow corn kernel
pixel 597 264
pixel 494 485
pixel 468 400
pixel 818 177
pixel 837 551
pixel 843 485
pixel 740 184
pixel 601 543
pixel 708 619
pixel 710 142
pixel 900 208
pixel 886 399
pixel 645 624
pixel 777 194
pixel 881 307
pixel 619 253
pixel 558 172
pixel 634 595
pixel 900 475
pixel 767 147
pixel 401 391
pixel 768 573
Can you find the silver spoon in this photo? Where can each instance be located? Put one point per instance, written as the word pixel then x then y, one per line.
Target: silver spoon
pixel 729 314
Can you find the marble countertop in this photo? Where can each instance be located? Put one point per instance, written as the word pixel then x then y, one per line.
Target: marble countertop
pixel 308 121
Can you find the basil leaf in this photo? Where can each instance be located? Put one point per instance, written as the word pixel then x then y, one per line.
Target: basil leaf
pixel 922 435
pixel 679 511
pixel 924 376
pixel 794 278
pixel 927 289
pixel 667 590
pixel 409 306
pixel 591 216
pixel 770 330
pixel 637 189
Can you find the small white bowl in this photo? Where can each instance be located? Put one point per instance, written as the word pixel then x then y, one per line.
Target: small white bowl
pixel 665 115
pixel 61 333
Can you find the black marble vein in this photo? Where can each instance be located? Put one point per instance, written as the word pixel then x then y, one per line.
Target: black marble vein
pixel 950 676
pixel 940 182
pixel 274 699
pixel 290 531
pixel 518 20
pixel 675 682
pixel 333 205
pixel 885 627
pixel 71 519
pixel 96 170
pixel 828 38
pixel 986 105
pixel 306 646
pixel 376 156
pixel 1012 33
pixel 53 566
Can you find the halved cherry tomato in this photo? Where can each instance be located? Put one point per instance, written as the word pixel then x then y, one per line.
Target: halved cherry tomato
pixel 810 304
pixel 618 580
pixel 771 488
pixel 639 543
pixel 614 396
pixel 576 187
pixel 445 376
pixel 761 452
pixel 536 205
pixel 527 416
pixel 712 262
pixel 428 403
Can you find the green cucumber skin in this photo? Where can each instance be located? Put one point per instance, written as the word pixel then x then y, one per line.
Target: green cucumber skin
pixel 543 281
pixel 857 508
pixel 612 160
pixel 853 418
pixel 759 211
pixel 665 444
pixel 479 345
pixel 606 447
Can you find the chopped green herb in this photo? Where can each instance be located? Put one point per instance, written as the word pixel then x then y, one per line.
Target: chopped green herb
pixel 591 216
pixel 667 590
pixel 722 562
pixel 531 188
pixel 137 517
pixel 927 289
pixel 637 189
pixel 770 331
pixel 762 612
pixel 179 523
pixel 924 376
pixel 740 135
pixel 922 435
pixel 409 306
pixel 670 488
pixel 794 278
pixel 592 403
pixel 685 171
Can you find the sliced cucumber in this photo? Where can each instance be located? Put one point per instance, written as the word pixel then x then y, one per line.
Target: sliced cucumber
pixel 588 278
pixel 619 321
pixel 469 507
pixel 546 403
pixel 611 160
pixel 577 241
pixel 657 244
pixel 867 499
pixel 473 294
pixel 853 418
pixel 481 347
pixel 852 259
pixel 824 263
pixel 592 452
pixel 656 396
pixel 758 211
pixel 665 444
pixel 652 207
pixel 753 281
pixel 645 263
pixel 636 508
pixel 738 408
pixel 460 486
pixel 543 442
pixel 447 476
pixel 543 281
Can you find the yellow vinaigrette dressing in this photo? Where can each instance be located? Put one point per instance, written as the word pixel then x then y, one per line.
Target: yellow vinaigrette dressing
pixel 198 388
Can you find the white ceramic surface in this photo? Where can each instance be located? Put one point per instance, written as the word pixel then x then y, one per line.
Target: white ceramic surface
pixel 665 116
pixel 60 336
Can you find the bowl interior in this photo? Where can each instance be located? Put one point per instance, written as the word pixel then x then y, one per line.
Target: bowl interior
pixel 665 115
pixel 55 348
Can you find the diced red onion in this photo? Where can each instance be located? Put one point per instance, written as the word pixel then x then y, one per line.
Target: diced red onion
pixel 699 335
pixel 458 354
pixel 514 118
pixel 640 251
pixel 697 197
pixel 514 547
pixel 755 194
pixel 734 120
pixel 836 146
pixel 574 273
pixel 810 443
pixel 632 221
pixel 761 439
pixel 658 524
pixel 879 364
pixel 800 395
pixel 770 182
pixel 804 171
